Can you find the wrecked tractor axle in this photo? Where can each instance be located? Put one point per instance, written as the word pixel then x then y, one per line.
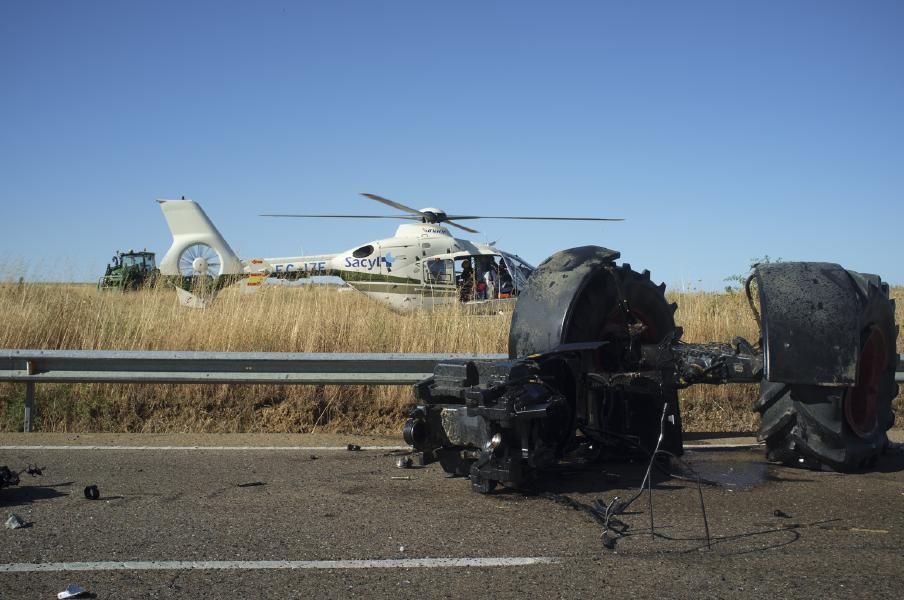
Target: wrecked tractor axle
pixel 596 363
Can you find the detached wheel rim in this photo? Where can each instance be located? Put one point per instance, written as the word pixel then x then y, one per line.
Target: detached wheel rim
pixel 862 401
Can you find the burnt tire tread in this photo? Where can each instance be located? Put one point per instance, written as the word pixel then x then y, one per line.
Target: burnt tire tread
pixel 769 394
pixel 805 424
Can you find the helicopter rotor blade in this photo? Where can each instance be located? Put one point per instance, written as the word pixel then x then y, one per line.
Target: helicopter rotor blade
pixel 453 224
pixel 411 217
pixel 392 203
pixel 460 217
pixel 430 217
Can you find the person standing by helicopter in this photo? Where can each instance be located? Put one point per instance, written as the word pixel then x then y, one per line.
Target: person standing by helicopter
pixel 506 287
pixel 486 277
pixel 466 281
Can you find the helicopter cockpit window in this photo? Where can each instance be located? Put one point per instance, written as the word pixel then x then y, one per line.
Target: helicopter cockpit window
pixel 363 251
pixel 505 281
pixel 438 271
pixel 517 269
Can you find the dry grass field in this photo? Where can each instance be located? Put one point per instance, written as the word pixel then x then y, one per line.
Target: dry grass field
pixel 290 319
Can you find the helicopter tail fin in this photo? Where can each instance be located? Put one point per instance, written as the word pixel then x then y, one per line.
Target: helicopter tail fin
pixel 198 249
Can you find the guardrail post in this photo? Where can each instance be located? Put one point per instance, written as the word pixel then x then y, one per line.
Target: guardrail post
pixel 29 404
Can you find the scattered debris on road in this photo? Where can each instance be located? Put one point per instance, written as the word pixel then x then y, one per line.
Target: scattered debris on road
pixel 404 462
pixel 15 522
pixel 354 448
pixel 91 493
pixel 251 484
pixel 781 514
pixel 8 478
pixel 72 590
pixel 855 529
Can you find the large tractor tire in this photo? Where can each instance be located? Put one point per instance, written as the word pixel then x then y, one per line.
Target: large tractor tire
pixel 581 295
pixel 843 428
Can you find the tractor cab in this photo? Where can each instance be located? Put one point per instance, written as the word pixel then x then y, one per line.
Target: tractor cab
pixel 142 261
pixel 129 271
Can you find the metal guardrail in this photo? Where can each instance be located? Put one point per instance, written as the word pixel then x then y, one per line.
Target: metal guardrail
pixel 99 366
pixel 104 366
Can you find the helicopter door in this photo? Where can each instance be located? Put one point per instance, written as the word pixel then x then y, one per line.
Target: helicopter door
pixel 439 281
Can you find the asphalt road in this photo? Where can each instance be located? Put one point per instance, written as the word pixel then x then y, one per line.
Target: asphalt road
pixel 335 523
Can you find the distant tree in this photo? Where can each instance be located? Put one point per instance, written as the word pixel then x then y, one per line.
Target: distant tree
pixel 736 281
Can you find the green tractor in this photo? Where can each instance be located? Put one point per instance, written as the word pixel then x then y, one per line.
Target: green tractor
pixel 129 271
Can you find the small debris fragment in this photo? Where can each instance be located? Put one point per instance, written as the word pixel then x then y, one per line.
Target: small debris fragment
pixel 404 462
pixel 72 590
pixel 781 514
pixel 251 484
pixel 401 477
pixel 314 457
pixel 15 522
pixel 8 478
pixel 401 548
pixel 608 541
pixel 34 470
pixel 354 448
pixel 91 493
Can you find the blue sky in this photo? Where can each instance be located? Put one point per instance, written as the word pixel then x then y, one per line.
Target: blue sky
pixel 721 131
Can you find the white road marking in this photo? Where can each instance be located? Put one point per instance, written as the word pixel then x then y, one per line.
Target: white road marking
pixel 299 448
pixel 723 446
pixel 187 565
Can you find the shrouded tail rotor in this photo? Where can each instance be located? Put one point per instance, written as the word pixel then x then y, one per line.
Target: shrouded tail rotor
pixel 199 260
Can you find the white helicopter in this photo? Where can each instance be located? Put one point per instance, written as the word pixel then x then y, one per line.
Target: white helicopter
pixel 422 266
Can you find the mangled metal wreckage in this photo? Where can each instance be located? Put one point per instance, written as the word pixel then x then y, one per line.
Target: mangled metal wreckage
pixel 596 362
